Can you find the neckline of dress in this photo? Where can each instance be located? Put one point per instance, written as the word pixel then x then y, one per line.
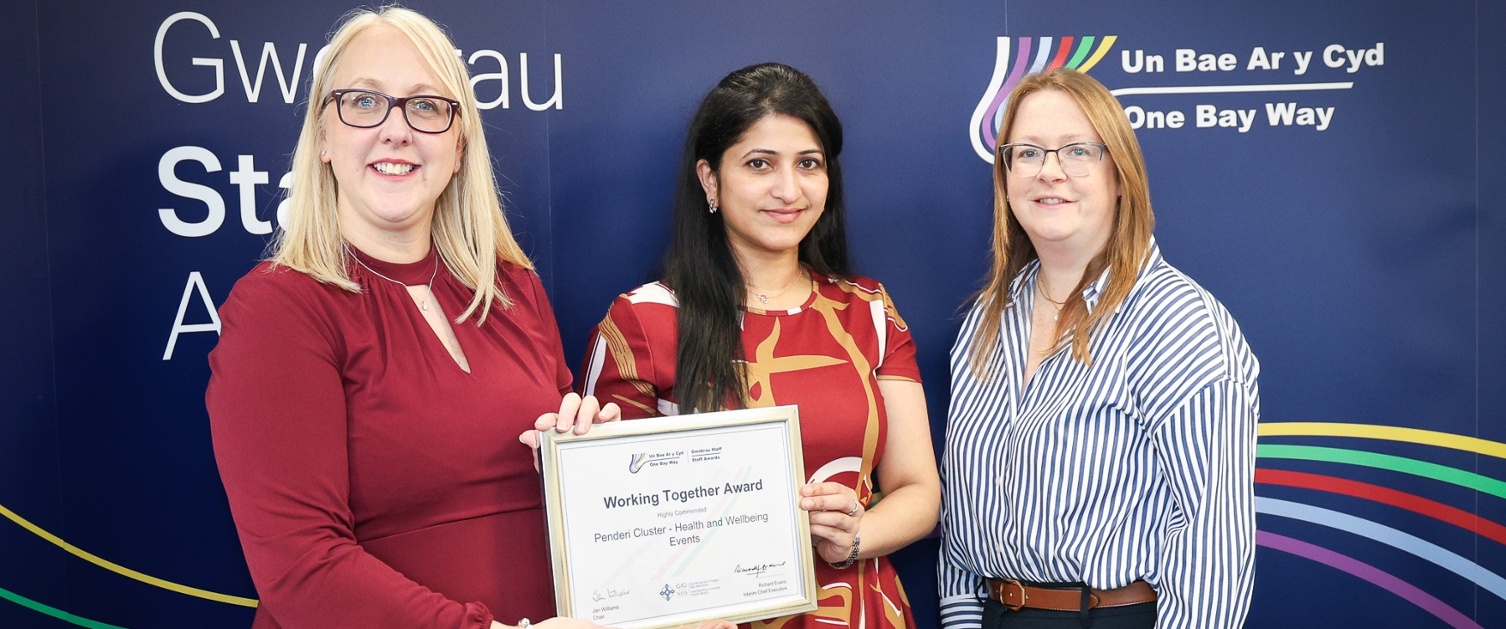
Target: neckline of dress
pixel 416 273
pixel 810 300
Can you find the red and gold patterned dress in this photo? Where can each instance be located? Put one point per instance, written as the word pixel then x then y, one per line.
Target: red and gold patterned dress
pixel 827 356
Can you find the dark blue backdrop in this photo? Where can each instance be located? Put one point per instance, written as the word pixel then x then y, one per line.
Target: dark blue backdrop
pixel 1365 261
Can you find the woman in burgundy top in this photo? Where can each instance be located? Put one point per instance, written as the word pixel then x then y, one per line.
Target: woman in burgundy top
pixel 372 379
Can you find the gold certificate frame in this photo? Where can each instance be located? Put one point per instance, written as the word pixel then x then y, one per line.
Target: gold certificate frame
pixel 669 521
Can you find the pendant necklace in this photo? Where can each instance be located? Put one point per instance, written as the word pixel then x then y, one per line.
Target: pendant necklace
pixel 429 288
pixel 1040 287
pixel 764 297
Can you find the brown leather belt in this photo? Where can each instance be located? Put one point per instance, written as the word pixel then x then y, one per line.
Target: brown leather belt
pixel 1015 595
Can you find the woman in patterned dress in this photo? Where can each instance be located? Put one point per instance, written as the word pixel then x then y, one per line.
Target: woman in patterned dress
pixel 758 309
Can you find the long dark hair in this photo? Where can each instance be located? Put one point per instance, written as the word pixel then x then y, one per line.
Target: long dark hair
pixel 700 267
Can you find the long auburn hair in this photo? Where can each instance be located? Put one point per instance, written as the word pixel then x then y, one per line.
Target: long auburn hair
pixel 700 266
pixel 469 228
pixel 1123 254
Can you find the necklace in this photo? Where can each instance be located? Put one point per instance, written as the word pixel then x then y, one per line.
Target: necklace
pixel 429 288
pixel 1043 290
pixel 763 297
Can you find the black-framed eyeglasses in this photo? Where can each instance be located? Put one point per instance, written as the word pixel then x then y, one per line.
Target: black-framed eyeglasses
pixel 368 108
pixel 1076 159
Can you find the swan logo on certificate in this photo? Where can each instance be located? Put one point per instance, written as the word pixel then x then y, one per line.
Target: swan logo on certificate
pixel 669 521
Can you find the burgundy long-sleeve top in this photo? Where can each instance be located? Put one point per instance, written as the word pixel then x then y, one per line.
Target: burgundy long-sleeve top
pixel 374 482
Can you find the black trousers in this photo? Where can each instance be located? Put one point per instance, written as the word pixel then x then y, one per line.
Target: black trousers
pixel 996 616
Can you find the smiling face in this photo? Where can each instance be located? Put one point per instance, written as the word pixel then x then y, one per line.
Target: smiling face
pixel 389 176
pixel 1061 214
pixel 771 187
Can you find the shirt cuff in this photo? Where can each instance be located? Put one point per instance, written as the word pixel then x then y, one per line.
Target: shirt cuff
pixel 961 612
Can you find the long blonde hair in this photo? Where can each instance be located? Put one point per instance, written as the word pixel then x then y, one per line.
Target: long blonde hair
pixel 1123 254
pixel 469 227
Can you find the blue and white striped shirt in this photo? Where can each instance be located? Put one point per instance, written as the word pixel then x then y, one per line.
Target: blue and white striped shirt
pixel 1140 466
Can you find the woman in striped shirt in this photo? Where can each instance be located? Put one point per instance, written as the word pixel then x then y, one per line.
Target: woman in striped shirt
pixel 1100 446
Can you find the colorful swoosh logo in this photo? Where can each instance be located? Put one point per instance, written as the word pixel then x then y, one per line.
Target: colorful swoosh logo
pixel 1018 57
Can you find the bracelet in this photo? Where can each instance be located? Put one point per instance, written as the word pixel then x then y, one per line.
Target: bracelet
pixel 851 557
pixel 524 624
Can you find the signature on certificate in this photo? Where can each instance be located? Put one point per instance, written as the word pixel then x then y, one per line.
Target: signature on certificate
pixel 609 593
pixel 757 569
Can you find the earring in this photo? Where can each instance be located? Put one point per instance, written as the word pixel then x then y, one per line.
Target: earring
pixel 711 203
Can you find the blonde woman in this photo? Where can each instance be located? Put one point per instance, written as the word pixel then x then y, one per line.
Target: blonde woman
pixel 373 378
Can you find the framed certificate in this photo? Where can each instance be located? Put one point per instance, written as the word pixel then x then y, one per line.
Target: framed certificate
pixel 669 521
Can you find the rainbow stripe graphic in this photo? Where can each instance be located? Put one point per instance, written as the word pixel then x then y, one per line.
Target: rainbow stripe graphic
pixel 1338 460
pixel 1033 55
pixel 1326 451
